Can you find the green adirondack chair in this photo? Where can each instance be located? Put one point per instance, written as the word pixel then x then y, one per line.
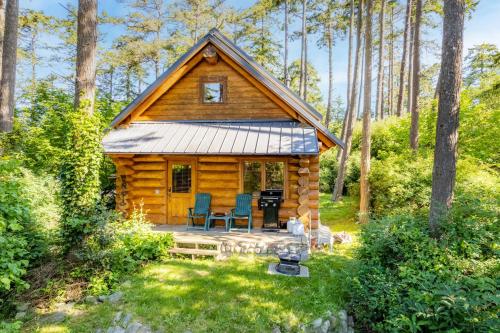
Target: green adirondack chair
pixel 243 210
pixel 201 210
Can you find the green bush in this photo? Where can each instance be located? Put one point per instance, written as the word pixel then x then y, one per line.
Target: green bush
pixel 28 211
pixel 400 183
pixel 407 281
pixel 329 169
pixel 116 247
pixel 80 175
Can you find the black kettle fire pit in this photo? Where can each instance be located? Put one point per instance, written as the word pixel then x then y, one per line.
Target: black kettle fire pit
pixel 289 263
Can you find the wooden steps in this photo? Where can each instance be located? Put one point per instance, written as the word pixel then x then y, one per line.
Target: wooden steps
pixel 192 247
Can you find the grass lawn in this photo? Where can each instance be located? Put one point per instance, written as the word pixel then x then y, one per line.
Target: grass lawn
pixel 230 296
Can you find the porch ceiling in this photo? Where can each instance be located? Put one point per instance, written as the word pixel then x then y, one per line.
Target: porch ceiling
pixel 214 138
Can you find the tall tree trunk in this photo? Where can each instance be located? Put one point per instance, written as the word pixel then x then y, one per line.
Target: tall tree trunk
pixel 86 47
pixel 8 82
pixel 128 84
pixel 409 84
pixel 364 198
pixel 438 83
pixel 445 153
pixel 303 52
pixel 349 76
pixel 415 78
pixel 285 65
pixel 306 69
pixel 399 106
pixel 339 182
pixel 390 85
pixel 2 31
pixel 362 82
pixel 33 60
pixel 380 74
pixel 329 107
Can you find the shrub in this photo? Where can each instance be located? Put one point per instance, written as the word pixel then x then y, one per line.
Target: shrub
pixel 329 170
pixel 407 281
pixel 116 247
pixel 400 183
pixel 28 208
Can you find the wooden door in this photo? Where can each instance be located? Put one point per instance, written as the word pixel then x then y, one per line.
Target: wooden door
pixel 180 184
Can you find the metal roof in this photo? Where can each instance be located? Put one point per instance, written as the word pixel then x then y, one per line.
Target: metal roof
pixel 244 60
pixel 213 138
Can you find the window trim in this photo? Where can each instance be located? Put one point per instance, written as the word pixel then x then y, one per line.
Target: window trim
pixel 213 79
pixel 263 173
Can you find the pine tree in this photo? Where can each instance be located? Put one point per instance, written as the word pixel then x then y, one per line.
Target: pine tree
pixel 9 55
pixel 364 198
pixel 32 25
pixel 399 106
pixel 339 182
pixel 303 52
pixel 380 75
pixel 415 78
pixel 86 50
pixel 445 152
pixel 2 28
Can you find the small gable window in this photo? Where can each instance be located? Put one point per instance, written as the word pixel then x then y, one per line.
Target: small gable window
pixel 213 89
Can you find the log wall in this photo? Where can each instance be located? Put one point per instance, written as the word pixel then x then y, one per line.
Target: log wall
pixel 143 179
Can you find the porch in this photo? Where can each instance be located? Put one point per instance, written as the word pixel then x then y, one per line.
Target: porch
pixel 257 242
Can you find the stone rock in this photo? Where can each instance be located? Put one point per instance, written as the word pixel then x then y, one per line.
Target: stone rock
pixel 342 314
pixel 127 284
pixel 251 250
pixel 324 327
pixel 137 327
pixel 276 329
pixel 55 317
pixel 102 298
pixel 115 297
pixel 115 329
pixel 342 238
pixel 237 249
pixel 333 321
pixel 22 307
pixel 91 300
pixel 117 318
pixel 317 323
pixel 350 321
pixel 257 250
pixel 20 315
pixel 126 319
pixel 350 330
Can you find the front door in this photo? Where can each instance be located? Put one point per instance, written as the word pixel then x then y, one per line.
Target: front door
pixel 180 190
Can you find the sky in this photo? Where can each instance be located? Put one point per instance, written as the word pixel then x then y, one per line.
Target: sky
pixel 482 27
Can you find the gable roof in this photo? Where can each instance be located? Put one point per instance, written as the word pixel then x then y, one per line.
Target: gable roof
pixel 240 57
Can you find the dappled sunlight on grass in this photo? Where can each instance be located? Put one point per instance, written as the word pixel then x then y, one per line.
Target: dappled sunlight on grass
pixel 236 295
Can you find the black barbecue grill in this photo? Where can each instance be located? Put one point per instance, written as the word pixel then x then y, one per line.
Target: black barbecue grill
pixel 289 263
pixel 269 203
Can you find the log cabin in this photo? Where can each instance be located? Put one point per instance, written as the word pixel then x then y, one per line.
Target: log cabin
pixel 217 122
